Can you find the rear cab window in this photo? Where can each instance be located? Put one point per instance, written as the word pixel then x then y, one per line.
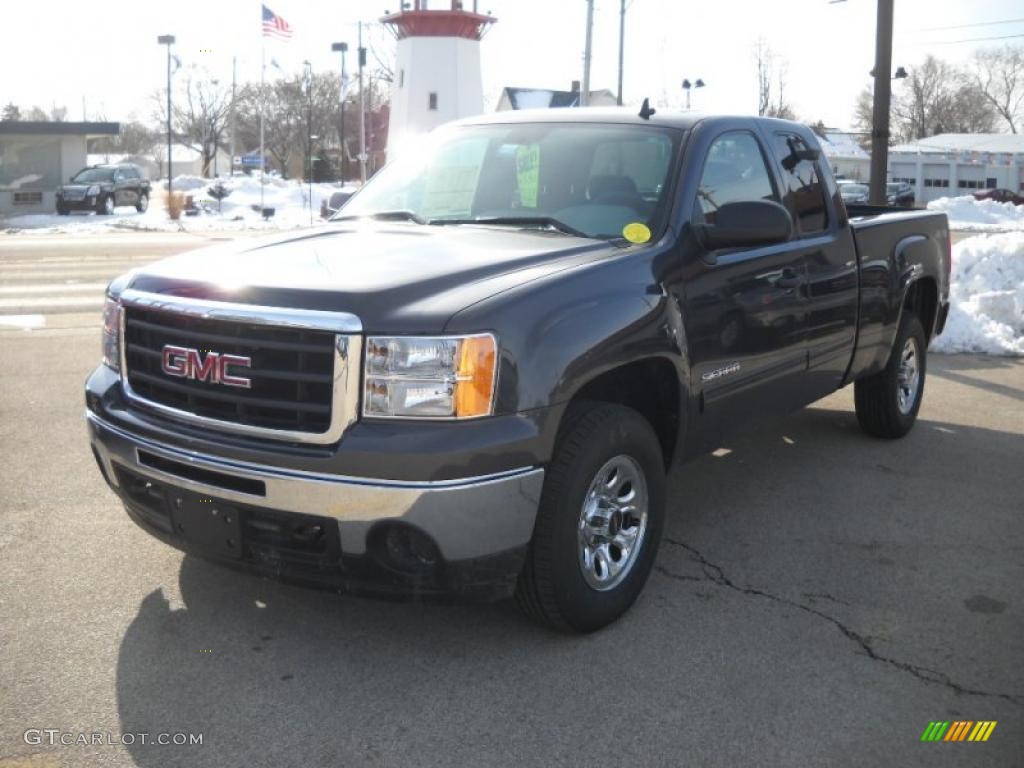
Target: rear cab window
pixel 804 191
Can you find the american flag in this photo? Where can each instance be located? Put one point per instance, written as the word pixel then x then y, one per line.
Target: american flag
pixel 274 25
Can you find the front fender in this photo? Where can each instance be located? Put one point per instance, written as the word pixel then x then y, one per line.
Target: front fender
pixel 559 333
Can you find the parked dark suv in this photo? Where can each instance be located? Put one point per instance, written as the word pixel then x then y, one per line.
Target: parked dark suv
pixel 101 188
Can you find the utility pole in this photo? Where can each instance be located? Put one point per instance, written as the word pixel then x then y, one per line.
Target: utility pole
pixel 231 145
pixel 343 49
pixel 362 108
pixel 883 95
pixel 309 135
pixel 168 40
pixel 585 96
pixel 622 45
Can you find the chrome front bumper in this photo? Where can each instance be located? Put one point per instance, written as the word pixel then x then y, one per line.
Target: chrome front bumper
pixel 468 518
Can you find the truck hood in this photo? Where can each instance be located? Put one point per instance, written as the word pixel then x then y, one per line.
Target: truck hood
pixel 396 277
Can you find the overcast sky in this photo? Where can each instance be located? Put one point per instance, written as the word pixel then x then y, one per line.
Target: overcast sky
pixel 106 53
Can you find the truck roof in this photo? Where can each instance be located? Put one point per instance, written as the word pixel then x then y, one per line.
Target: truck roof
pixel 621 115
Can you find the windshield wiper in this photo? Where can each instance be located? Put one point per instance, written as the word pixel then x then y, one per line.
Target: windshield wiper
pixel 400 215
pixel 513 221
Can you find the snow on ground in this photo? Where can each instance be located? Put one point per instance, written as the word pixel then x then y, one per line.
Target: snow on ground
pixel 969 215
pixel 238 211
pixel 986 311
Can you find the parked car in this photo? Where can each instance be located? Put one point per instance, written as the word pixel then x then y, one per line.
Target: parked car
pixel 1000 196
pixel 854 193
pixel 338 198
pixel 102 188
pixel 899 194
pixel 475 380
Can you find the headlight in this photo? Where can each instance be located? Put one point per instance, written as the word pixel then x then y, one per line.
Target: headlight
pixel 112 333
pixel 93 191
pixel 449 377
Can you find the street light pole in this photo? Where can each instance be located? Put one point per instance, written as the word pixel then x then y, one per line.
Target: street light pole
pixel 343 49
pixel 362 109
pixel 622 45
pixel 588 47
pixel 168 40
pixel 309 135
pixel 883 96
pixel 688 86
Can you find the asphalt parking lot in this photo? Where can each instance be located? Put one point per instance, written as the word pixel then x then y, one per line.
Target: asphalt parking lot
pixel 820 598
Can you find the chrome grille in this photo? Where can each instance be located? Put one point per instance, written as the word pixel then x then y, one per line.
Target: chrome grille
pixel 304 378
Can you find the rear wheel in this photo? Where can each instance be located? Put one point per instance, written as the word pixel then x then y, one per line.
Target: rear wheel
pixel 888 402
pixel 62 210
pixel 599 522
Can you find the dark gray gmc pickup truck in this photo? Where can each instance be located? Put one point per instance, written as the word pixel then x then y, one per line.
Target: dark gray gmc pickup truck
pixel 472 382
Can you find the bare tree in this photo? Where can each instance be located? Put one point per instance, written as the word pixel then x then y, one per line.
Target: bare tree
pixel 771 72
pixel 135 138
pixel 200 111
pixel 939 98
pixel 999 75
pixel 10 113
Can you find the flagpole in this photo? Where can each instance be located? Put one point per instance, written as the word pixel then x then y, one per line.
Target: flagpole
pixel 263 96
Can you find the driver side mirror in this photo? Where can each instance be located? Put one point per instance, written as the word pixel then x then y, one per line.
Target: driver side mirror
pixel 746 224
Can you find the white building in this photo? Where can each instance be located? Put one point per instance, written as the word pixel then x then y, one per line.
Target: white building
pixel 36 157
pixel 437 68
pixel 953 164
pixel 847 158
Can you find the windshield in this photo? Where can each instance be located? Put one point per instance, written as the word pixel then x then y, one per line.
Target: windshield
pixel 893 188
pixel 577 177
pixel 91 175
pixel 853 190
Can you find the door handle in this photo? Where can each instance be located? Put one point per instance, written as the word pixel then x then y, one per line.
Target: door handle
pixel 789 280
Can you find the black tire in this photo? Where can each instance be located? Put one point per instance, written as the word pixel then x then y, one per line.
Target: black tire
pixel 62 210
pixel 552 588
pixel 102 205
pixel 878 397
pixel 143 203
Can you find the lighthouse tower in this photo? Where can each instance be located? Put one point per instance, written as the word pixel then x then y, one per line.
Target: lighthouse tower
pixel 437 68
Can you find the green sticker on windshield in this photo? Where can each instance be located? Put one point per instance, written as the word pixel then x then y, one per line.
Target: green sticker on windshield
pixel 528 174
pixel 636 232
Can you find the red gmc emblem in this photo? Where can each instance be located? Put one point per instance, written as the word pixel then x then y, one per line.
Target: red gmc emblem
pixel 188 363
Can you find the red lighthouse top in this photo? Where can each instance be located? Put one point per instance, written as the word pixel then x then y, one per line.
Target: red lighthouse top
pixel 418 21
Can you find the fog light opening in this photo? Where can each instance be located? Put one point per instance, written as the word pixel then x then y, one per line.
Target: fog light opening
pixel 408 549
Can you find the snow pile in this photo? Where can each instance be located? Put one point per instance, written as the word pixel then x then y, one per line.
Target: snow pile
pixel 970 215
pixel 986 311
pixel 238 211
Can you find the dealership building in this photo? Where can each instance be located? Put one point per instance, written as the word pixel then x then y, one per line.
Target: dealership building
pixel 35 157
pixel 953 164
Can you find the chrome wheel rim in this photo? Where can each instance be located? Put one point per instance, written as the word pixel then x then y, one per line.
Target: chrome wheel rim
pixel 108 205
pixel 908 377
pixel 143 203
pixel 612 524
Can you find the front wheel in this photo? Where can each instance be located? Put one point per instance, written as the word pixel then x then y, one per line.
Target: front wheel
pixel 143 203
pixel 599 522
pixel 887 403
pixel 105 207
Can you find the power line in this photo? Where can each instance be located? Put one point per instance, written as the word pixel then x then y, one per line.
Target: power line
pixel 976 24
pixel 973 40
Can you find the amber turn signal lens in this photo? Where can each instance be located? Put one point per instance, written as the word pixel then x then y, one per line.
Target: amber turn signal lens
pixel 474 386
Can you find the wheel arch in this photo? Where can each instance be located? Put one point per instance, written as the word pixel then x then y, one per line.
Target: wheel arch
pixel 649 385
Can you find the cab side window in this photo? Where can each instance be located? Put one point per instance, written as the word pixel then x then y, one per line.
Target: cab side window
pixel 804 192
pixel 734 171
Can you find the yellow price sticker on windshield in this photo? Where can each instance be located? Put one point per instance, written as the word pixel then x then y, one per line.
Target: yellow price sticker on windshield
pixel 636 232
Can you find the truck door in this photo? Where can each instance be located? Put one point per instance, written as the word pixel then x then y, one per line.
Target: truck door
pixel 826 245
pixel 744 309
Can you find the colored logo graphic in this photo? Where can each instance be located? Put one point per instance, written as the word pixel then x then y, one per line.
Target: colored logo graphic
pixel 958 730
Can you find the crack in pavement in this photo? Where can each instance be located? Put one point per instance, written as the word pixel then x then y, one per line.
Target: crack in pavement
pixel 716 575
